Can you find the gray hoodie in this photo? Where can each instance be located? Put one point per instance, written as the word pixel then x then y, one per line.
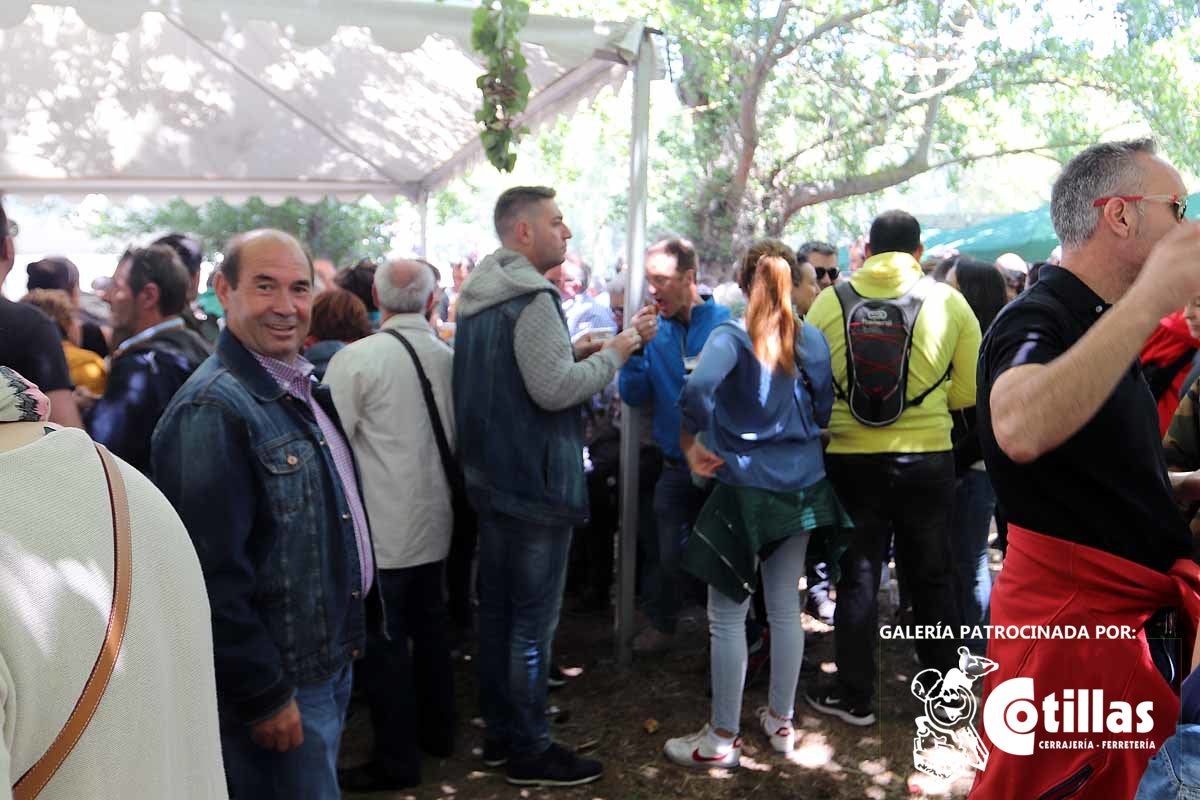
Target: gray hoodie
pixel 545 356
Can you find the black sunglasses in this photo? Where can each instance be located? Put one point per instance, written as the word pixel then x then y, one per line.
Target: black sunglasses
pixel 822 271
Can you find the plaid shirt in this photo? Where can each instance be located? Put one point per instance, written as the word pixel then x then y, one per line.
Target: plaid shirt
pixel 296 379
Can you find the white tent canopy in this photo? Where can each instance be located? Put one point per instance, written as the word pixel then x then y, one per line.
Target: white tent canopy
pixel 274 98
pixel 294 98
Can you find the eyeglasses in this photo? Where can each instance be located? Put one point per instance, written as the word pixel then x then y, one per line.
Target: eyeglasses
pixel 1178 203
pixel 13 229
pixel 823 271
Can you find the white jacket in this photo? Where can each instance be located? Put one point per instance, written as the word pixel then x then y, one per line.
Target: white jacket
pixel 382 409
pixel 155 733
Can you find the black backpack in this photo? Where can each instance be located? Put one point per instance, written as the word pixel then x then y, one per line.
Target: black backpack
pixel 879 335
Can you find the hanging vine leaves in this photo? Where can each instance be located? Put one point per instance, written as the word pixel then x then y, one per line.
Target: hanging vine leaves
pixel 495 34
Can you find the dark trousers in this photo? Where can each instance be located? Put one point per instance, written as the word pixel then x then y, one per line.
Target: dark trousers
pixel 591 562
pixel 458 575
pixel 677 504
pixel 409 678
pixel 912 495
pixel 593 546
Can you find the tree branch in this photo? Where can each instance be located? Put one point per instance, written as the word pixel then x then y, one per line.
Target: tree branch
pixel 832 24
pixel 823 191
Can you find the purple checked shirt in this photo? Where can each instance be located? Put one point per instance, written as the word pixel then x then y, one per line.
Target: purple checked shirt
pixel 296 380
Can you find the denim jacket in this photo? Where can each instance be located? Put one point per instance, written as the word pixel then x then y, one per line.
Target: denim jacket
pixel 518 459
pixel 143 379
pixel 246 467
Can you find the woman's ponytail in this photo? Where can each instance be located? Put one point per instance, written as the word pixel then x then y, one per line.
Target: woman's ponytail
pixel 770 319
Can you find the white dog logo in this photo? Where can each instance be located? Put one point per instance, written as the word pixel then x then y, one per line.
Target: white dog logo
pixel 947 743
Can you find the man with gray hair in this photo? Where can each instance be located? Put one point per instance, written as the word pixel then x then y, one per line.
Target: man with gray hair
pixel 377 388
pixel 1070 437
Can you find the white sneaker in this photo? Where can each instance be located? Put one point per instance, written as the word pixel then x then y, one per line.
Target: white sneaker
pixel 779 731
pixel 703 750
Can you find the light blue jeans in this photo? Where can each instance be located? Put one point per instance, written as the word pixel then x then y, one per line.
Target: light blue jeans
pixel 307 773
pixel 1174 772
pixel 781 575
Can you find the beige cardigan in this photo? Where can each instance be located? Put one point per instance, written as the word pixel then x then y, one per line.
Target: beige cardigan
pixel 155 733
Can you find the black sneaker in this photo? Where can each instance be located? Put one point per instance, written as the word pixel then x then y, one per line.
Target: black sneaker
pixel 833 703
pixel 495 753
pixel 555 679
pixel 556 766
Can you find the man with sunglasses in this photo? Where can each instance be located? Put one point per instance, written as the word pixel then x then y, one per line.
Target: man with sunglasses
pixel 823 257
pixel 1071 440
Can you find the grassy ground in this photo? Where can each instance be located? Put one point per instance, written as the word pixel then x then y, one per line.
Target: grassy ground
pixel 623 717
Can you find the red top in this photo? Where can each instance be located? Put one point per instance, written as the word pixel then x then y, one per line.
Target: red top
pixel 1050 581
pixel 1170 343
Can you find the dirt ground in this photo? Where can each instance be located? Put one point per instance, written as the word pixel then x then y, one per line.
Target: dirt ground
pixel 606 713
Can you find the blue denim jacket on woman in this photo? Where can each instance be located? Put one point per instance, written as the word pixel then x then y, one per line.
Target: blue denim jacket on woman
pixel 765 424
pixel 246 467
pixel 518 458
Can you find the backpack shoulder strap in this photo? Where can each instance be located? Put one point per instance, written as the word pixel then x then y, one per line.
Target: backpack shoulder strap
pixel 847 299
pixel 29 785
pixel 915 298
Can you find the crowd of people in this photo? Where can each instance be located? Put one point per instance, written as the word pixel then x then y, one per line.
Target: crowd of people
pixel 371 469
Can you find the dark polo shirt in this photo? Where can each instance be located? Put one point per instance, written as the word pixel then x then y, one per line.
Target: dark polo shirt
pixel 1106 486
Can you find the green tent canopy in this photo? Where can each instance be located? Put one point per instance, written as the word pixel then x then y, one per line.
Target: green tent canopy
pixel 1028 234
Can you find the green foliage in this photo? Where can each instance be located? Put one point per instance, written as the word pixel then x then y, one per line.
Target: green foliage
pixel 791 107
pixel 340 232
pixel 496 28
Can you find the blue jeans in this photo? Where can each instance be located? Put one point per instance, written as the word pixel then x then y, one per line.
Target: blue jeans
pixel 677 503
pixel 1174 772
pixel 781 575
pixel 306 773
pixel 522 570
pixel 974 503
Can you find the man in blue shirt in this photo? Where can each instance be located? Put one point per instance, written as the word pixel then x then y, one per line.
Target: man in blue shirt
pixel 656 377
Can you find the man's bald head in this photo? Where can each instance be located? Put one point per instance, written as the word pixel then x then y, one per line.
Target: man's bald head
pixel 404 286
pixel 261 242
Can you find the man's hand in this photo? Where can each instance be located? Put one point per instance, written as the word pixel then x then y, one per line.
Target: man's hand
pixel 281 732
pixel 1171 271
pixel 645 321
pixel 701 460
pixel 624 343
pixel 586 345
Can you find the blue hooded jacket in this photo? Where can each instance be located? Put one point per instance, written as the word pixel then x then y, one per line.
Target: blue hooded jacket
pixel 657 376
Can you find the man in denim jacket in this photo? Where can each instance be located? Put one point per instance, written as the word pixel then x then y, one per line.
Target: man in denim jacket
pixel 251 454
pixel 518 384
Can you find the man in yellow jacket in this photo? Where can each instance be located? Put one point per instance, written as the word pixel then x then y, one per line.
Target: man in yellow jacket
pixel 896 477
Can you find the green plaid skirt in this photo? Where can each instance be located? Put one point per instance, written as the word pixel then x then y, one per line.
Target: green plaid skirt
pixel 739 527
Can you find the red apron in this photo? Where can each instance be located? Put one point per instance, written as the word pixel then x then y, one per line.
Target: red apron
pixel 1050 581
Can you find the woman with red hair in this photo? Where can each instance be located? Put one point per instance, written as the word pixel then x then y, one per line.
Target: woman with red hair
pixel 753 410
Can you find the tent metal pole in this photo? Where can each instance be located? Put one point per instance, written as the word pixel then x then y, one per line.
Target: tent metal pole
pixel 630 417
pixel 423 212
